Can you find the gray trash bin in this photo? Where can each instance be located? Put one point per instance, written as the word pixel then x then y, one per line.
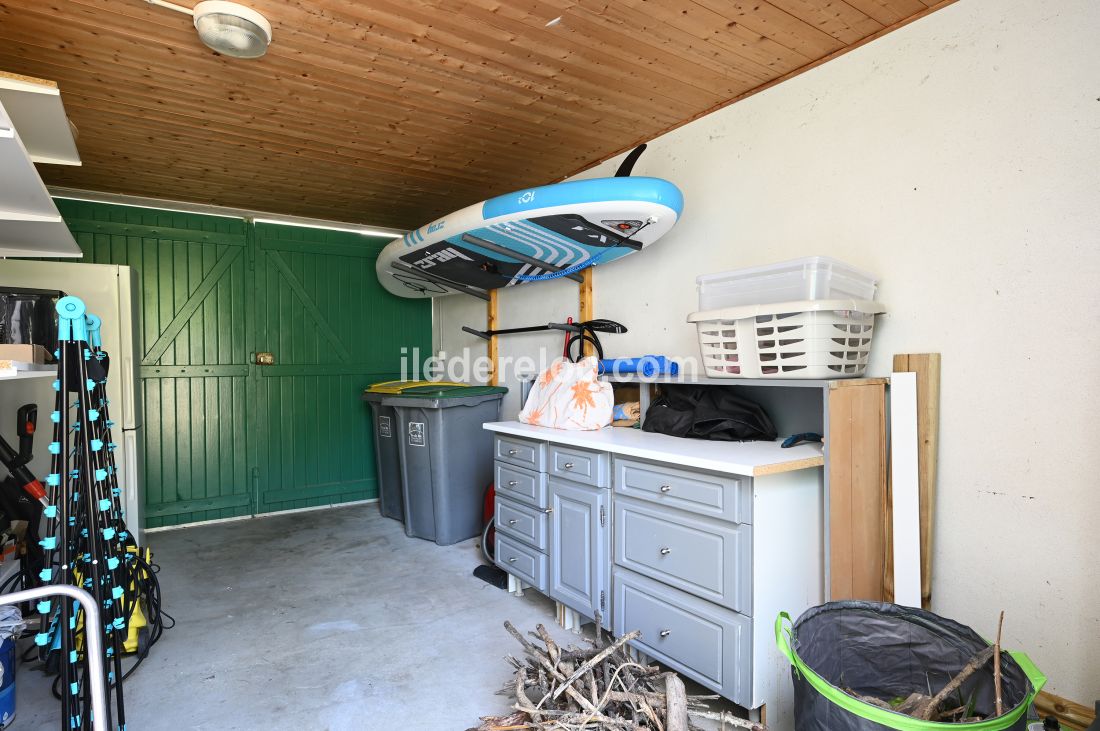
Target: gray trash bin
pixel 387 457
pixel 446 458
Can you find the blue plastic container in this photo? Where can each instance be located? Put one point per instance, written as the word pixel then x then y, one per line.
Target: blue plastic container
pixel 647 366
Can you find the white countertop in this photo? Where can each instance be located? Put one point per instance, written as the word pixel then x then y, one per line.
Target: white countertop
pixel 736 458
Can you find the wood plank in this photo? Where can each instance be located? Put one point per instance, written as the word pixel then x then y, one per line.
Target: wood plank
pixel 492 322
pixel 587 303
pixel 857 477
pixel 835 17
pixel 1070 715
pixel 927 368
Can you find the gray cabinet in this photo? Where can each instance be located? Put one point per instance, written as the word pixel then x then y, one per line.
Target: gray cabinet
pixel 580 543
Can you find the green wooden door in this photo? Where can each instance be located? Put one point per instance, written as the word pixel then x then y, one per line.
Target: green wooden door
pixel 224 437
pixel 333 330
pixel 194 310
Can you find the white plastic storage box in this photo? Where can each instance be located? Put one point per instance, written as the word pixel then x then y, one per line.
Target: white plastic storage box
pixel 811 278
pixel 801 339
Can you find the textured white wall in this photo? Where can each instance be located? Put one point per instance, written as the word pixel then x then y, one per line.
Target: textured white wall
pixel 957 158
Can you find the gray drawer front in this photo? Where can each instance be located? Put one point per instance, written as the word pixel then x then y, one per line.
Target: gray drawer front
pixel 703 641
pixel 579 465
pixel 719 496
pixel 705 557
pixel 521 522
pixel 521 484
pixel 521 452
pixel 523 562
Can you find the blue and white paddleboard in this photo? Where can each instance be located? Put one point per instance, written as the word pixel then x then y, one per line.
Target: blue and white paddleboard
pixel 529 235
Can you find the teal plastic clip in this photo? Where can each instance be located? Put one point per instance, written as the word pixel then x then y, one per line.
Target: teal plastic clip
pixel 96 444
pixel 100 475
pixel 50 511
pixel 93 414
pixel 53 479
pixel 70 319
pixel 55 416
pixel 104 504
pixel 49 543
pixel 73 657
pixel 44 606
pixel 46 575
pixel 54 448
pixel 56 385
pixel 112 563
pixel 108 533
pixel 93 324
pixel 116 592
pixel 42 639
pixel 120 623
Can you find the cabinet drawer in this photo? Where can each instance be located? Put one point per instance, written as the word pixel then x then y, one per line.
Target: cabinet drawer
pixel 523 562
pixel 702 556
pixel 705 642
pixel 521 522
pixel 521 452
pixel 719 496
pixel 579 465
pixel 521 484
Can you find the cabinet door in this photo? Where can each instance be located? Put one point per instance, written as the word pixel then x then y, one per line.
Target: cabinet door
pixel 580 548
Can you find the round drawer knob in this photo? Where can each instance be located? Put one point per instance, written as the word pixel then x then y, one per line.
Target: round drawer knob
pixel 666 488
pixel 512 483
pixel 513 521
pixel 665 551
pixel 568 465
pixel 512 559
pixel 666 632
pixel 512 453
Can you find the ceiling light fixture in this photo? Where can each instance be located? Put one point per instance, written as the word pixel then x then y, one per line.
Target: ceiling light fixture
pixel 229 28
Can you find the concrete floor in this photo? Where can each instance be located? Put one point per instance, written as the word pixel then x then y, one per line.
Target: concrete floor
pixel 331 619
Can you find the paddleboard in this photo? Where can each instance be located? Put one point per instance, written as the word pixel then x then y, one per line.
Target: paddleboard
pixel 530 235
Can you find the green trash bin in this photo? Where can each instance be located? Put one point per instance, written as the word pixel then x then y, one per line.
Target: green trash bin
pixel 446 457
pixel 387 458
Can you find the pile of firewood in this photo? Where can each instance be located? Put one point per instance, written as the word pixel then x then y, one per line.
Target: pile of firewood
pixel 599 686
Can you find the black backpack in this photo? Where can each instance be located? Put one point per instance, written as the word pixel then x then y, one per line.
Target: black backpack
pixel 708 412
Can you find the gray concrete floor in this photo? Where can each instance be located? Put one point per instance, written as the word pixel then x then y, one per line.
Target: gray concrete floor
pixel 331 619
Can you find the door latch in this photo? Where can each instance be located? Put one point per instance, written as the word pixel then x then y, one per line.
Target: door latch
pixel 265 359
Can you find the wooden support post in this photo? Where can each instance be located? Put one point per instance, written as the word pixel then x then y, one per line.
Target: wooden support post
pixel 857 488
pixel 927 368
pixel 587 303
pixel 492 324
pixel 1073 716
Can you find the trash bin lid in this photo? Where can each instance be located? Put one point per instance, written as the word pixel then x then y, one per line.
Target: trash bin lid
pixel 396 387
pixel 439 396
pixel 444 390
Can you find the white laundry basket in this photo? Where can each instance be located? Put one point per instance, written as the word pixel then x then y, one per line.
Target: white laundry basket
pixel 801 339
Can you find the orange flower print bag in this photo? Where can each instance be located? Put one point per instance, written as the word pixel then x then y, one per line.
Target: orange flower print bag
pixel 569 396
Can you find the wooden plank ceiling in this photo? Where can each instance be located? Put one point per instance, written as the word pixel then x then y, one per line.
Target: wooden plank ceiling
pixel 390 112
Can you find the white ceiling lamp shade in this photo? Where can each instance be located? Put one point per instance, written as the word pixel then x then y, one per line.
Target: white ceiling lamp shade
pixel 232 29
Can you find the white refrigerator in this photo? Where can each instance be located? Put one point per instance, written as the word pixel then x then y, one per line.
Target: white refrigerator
pixel 112 293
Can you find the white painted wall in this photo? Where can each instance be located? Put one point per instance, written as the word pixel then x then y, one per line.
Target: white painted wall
pixel 957 158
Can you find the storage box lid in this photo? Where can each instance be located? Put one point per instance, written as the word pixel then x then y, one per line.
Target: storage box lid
pixel 396 387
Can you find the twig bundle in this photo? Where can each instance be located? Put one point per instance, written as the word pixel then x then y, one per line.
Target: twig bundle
pixel 599 686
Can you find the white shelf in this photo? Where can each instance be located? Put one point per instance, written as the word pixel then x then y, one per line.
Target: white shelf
pixel 38 114
pixel 735 458
pixel 13 369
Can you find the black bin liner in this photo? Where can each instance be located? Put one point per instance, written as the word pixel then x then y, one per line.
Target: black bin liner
pixel 707 412
pixel 889 651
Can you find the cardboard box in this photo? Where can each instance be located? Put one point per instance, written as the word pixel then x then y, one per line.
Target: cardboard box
pixel 25 353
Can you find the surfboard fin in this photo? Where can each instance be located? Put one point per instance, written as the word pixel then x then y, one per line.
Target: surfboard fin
pixel 627 165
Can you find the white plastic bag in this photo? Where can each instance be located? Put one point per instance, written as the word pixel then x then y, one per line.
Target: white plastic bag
pixel 569 396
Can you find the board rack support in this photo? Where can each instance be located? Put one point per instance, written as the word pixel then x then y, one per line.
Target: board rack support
pixel 529 260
